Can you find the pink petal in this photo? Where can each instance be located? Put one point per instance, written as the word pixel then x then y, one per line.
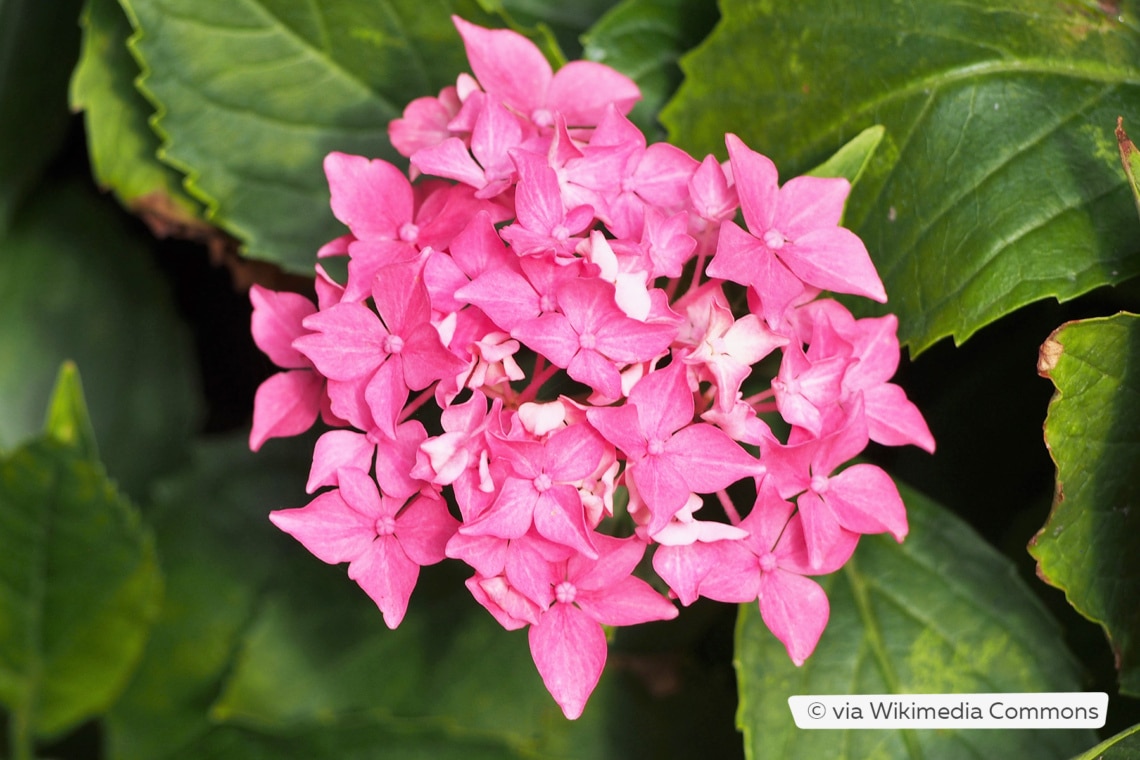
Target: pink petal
pixel 503 295
pixel 684 567
pixel 893 420
pixel 508 66
pixel 331 530
pixel 569 650
pixel 757 184
pixel 629 601
pixel 664 401
pixel 809 203
pixel 286 404
pixel 834 259
pixel 386 395
pixel 573 453
pixel 822 530
pixel 452 160
pixel 619 425
pixel 796 610
pixel 511 514
pixel 373 198
pixel 336 449
pixel 396 458
pixel 662 487
pixel 560 517
pixel 506 605
pixel 424 526
pixel 387 576
pixel 581 91
pixel 866 500
pixel 348 343
pixel 401 297
pixel 276 322
pixel 708 459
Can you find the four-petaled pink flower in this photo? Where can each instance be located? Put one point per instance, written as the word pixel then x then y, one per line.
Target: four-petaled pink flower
pixel 668 455
pixel 384 540
pixel 568 643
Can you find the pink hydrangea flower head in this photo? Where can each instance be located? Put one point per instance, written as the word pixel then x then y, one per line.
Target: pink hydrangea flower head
pixel 514 71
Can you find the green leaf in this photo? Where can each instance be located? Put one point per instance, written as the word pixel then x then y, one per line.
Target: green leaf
pixel 76 285
pixel 79 589
pixel 120 141
pixel 566 22
pixel 320 650
pixel 998 183
pixel 217 564
pixel 68 420
pixel 37 52
pixel 850 161
pixel 252 94
pixel 1090 545
pixel 1131 160
pixel 644 39
pixel 942 612
pixel 358 739
pixel 1123 746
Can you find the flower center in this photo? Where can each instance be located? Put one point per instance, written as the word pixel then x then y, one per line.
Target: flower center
pixel 587 341
pixel 656 446
pixel 790 387
pixel 543 483
pixel 409 232
pixel 768 562
pixel 542 117
pixel 546 303
pixel 565 592
pixel 819 484
pixel 774 239
pixel 385 526
pixel 393 344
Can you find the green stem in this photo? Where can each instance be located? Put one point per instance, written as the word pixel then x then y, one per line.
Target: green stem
pixel 21 745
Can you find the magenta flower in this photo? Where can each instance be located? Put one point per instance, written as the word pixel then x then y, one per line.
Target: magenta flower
pixel 514 71
pixel 770 564
pixel 387 355
pixel 667 455
pixel 288 402
pixel 793 235
pixel 592 338
pixel 568 643
pixel 541 488
pixel 384 540
pixel 860 499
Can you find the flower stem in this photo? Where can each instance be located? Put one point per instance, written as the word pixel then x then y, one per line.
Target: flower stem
pixel 729 507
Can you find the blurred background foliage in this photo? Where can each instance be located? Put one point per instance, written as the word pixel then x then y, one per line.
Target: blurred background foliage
pixel 158 156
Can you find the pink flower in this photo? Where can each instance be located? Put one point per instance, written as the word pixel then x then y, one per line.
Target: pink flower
pixel 667 455
pixel 793 235
pixel 592 338
pixel 387 355
pixel 568 643
pixel 384 540
pixel 512 70
pixel 771 564
pixel 860 499
pixel 288 402
pixel 541 488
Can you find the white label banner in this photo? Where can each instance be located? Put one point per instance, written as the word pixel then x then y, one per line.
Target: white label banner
pixel 1041 710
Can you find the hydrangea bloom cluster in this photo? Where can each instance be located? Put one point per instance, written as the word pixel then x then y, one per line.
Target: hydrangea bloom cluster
pixel 556 317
